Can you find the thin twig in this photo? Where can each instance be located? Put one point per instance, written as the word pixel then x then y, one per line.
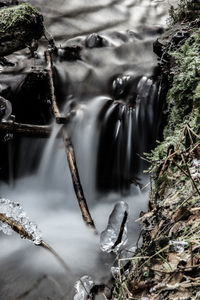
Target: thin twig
pixel 76 180
pixel 69 151
pixel 60 119
pixel 189 174
pixel 18 228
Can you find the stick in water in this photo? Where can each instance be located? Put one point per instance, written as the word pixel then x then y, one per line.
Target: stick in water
pixel 17 227
pixel 69 150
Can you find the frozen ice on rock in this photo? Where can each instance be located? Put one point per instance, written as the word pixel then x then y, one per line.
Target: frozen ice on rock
pixel 178 246
pixel 196 162
pixel 83 287
pixel 115 271
pixel 14 211
pixel 115 235
pixel 123 257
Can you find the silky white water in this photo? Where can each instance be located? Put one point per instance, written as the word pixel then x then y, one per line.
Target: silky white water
pixel 49 200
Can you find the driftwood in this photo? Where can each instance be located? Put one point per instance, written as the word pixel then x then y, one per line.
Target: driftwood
pixel 76 180
pixel 25 129
pixel 69 150
pixel 19 26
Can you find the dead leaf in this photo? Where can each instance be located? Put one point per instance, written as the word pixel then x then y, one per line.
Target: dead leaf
pixel 154 232
pixel 193 218
pixel 179 214
pixel 145 216
pixel 176 278
pixel 173 259
pixel 176 228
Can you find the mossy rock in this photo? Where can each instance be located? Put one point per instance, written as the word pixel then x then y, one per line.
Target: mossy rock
pixel 19 25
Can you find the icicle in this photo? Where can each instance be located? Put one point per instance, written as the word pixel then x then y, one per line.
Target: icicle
pixel 83 287
pixel 115 235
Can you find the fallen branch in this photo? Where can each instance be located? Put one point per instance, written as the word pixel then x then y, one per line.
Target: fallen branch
pixel 60 119
pixel 25 129
pixel 76 180
pixel 18 228
pixel 69 150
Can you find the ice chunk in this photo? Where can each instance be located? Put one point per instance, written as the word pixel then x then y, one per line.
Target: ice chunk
pixel 14 212
pixel 178 246
pixel 115 235
pixel 83 287
pixel 115 271
pixel 124 257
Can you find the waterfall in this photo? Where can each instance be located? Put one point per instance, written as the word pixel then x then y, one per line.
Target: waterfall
pixel 109 81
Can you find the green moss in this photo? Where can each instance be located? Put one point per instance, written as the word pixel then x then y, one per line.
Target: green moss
pixel 183 98
pixel 19 25
pixel 20 15
pixel 187 10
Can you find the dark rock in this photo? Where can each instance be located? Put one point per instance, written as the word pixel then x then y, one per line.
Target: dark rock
pixel 120 85
pixel 180 36
pixel 71 53
pixel 171 38
pixel 19 25
pixel 94 40
pixel 5 109
pixel 29 99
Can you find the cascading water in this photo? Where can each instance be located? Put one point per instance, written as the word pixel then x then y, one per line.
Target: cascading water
pixel 114 92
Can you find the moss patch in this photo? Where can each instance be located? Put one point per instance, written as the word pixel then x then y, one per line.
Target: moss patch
pixel 183 97
pixel 187 10
pixel 19 25
pixel 167 266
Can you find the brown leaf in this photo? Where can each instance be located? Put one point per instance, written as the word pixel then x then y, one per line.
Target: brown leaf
pixel 193 218
pixel 176 228
pixel 137 287
pixel 176 278
pixel 154 232
pixel 180 213
pixel 173 259
pixel 180 295
pixel 145 216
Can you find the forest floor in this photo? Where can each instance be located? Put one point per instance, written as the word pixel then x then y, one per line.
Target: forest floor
pixel 167 265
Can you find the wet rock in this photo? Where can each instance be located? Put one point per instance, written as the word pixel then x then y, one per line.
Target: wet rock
pixel 171 38
pixel 180 36
pixel 5 109
pixel 29 99
pixel 8 3
pixel 19 25
pixel 94 40
pixel 120 86
pixel 71 53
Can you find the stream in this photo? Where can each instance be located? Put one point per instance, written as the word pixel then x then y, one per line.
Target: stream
pixel 114 90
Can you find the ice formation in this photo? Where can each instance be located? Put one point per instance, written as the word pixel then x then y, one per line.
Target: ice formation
pixel 83 288
pixel 115 235
pixel 14 212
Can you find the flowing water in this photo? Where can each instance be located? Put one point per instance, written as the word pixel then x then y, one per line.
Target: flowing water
pixel 115 93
